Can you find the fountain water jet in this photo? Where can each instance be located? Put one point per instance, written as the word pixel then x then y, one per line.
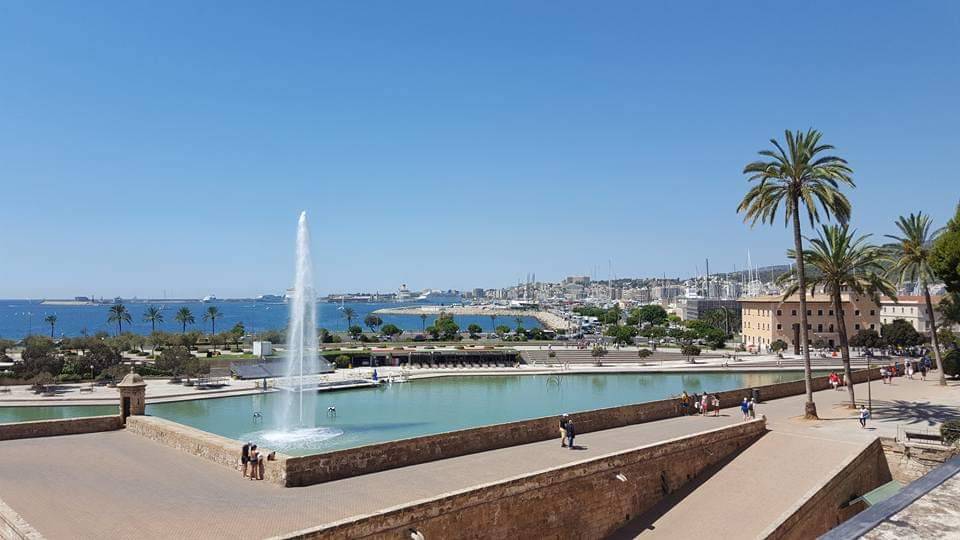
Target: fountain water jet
pixel 302 346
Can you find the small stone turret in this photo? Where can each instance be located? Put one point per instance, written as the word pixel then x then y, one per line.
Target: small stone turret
pixel 133 395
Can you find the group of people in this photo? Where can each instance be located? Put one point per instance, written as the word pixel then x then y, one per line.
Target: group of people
pixel 567 431
pixel 837 381
pixel 699 404
pixel 252 460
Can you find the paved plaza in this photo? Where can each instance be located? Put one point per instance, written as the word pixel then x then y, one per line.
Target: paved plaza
pixel 117 484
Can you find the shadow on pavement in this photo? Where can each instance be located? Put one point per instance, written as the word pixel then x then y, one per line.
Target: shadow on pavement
pixel 644 522
pixel 909 412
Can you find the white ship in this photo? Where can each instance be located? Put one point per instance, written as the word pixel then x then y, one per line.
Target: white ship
pixel 209 298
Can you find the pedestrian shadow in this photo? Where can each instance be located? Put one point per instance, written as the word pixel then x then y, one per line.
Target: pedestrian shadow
pixel 579 447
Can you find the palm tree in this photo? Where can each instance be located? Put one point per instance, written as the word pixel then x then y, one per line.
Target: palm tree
pixel 843 261
pixel 912 265
pixel 52 321
pixel 423 322
pixel 349 315
pixel 153 315
pixel 798 179
pixel 212 314
pixel 119 314
pixel 493 322
pixel 184 316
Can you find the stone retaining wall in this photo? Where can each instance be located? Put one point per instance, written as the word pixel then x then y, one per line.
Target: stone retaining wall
pixel 220 450
pixel 318 468
pixel 13 527
pixel 580 500
pixel 824 507
pixel 66 426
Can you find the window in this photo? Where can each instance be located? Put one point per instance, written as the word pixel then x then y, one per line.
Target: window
pixel 819 313
pixel 856 327
pixel 779 313
pixel 830 313
pixel 856 313
pixel 779 327
pixel 819 328
pixel 873 312
pixel 809 312
pixel 873 327
pixel 831 328
pixel 793 312
pixel 809 327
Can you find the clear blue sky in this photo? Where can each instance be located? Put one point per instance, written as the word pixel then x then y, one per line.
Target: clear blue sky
pixel 151 146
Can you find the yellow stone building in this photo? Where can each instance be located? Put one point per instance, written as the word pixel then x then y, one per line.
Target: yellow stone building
pixel 769 318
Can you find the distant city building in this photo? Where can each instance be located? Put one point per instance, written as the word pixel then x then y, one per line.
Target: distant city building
pixel 769 318
pixel 665 292
pixel 579 280
pixel 695 308
pixel 912 309
pixel 478 293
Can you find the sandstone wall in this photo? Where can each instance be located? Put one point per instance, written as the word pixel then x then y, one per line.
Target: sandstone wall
pixel 66 426
pixel 824 507
pixel 220 450
pixel 579 500
pixel 314 469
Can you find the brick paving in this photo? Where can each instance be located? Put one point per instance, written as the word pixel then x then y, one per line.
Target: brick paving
pixel 119 485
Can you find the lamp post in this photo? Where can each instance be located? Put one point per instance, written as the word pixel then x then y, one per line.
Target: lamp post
pixel 869 394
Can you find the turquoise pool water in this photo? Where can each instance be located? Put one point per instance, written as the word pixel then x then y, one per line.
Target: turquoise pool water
pixel 437 405
pixel 26 414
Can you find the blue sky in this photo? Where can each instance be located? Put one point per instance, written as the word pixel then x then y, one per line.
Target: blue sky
pixel 169 146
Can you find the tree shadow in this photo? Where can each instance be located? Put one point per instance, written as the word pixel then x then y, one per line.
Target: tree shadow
pixel 909 412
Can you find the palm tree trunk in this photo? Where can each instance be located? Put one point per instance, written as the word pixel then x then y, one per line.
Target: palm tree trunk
pixel 844 344
pixel 810 408
pixel 933 334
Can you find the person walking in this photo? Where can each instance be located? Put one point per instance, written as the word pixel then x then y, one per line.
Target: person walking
pixel 716 404
pixel 745 409
pixel 571 433
pixel 564 420
pixel 245 457
pixel 254 462
pixel 704 403
pixel 684 403
pixel 864 414
pixel 753 408
pixel 923 371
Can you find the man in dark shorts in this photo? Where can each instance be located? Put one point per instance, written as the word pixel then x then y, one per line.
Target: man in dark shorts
pixel 563 430
pixel 245 457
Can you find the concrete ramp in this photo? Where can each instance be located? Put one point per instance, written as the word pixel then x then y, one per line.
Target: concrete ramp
pixel 749 494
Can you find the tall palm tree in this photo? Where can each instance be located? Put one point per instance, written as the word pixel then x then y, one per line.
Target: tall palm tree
pixel 52 321
pixel 184 316
pixel 912 265
pixel 493 322
pixel 843 261
pixel 153 315
pixel 119 314
pixel 349 314
pixel 212 314
pixel 423 322
pixel 798 178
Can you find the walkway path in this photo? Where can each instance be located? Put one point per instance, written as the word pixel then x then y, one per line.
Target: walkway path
pixel 117 484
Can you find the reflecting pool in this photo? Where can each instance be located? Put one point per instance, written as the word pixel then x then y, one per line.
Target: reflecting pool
pixel 428 406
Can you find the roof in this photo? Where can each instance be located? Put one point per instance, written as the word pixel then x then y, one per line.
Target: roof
pixel 778 299
pixel 132 380
pixel 911 299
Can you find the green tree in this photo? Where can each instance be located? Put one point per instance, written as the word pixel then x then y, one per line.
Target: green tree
pixel 778 346
pixel 797 180
pixel 502 330
pixel 174 360
pixel 349 314
pixel 474 330
pixel 945 254
pixel 391 330
pixel 842 261
pixel 118 314
pixel 900 333
pixel 866 338
pixel 372 322
pixel 447 328
pixel 912 264
pixel 621 334
pixel 153 315
pixel 212 314
pixel 354 330
pixel 184 316
pixel 52 321
pixel 652 314
pixel 949 309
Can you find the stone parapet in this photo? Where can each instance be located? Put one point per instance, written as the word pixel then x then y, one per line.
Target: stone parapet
pixel 66 426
